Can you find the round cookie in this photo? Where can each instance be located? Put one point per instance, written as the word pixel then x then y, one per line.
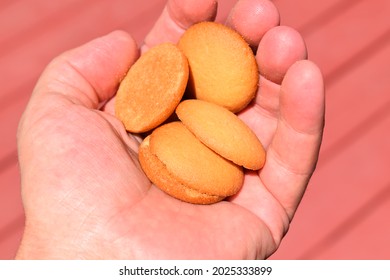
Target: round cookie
pixel 223 132
pixel 223 68
pixel 152 88
pixel 189 163
pixel 160 176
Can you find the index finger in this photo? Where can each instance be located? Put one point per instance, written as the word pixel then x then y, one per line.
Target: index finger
pixel 176 17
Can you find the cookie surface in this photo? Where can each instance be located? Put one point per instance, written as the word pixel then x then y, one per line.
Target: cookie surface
pixel 159 175
pixel 223 68
pixel 223 132
pixel 152 88
pixel 192 163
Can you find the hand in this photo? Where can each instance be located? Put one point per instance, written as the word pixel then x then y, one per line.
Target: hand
pixel 84 193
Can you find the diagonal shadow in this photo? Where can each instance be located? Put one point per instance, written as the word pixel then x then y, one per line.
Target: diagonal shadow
pixel 364 212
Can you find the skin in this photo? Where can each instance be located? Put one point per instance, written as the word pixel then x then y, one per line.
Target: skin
pixel 84 193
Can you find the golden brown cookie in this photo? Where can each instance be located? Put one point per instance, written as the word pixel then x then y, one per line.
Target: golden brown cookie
pixel 223 68
pixel 161 177
pixel 223 132
pixel 152 88
pixel 196 173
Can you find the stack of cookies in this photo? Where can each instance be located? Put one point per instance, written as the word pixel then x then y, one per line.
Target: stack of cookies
pixel 204 80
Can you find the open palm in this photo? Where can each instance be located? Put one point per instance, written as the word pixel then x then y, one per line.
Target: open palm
pixel 84 193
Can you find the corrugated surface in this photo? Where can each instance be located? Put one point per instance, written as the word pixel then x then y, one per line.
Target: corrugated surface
pixel 344 214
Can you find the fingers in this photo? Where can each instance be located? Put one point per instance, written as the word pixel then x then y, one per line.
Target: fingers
pixel 90 74
pixel 252 19
pixel 280 47
pixel 177 16
pixel 293 152
pixel 302 98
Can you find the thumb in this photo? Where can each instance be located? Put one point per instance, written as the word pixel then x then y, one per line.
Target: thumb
pixel 90 74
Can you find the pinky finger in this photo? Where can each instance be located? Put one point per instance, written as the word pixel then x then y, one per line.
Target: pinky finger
pixel 293 153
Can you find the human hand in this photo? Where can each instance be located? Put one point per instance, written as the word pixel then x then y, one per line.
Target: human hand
pixel 84 193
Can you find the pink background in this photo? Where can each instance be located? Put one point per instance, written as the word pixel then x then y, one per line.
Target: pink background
pixel 345 213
